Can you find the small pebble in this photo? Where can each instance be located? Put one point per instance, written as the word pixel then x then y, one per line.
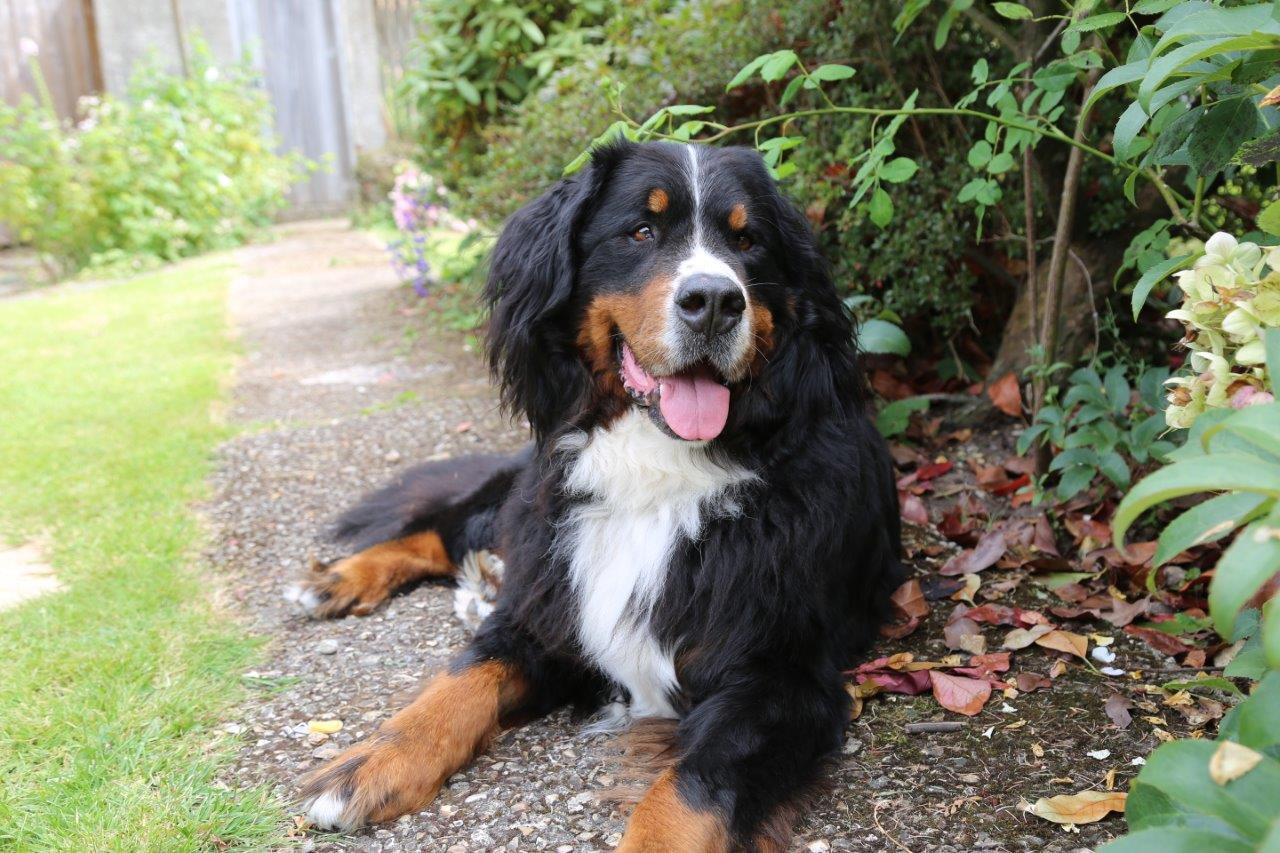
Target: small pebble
pixel 327 647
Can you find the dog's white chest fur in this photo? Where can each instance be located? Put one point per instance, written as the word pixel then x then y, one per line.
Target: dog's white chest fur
pixel 645 492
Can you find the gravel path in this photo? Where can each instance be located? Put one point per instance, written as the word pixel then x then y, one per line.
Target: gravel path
pixel 338 391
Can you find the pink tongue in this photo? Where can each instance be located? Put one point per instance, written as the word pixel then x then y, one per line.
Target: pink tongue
pixel 694 406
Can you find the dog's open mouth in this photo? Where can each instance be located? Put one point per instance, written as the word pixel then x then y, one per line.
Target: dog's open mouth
pixel 694 403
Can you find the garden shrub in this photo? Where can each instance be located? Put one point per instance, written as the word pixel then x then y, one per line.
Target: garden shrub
pixel 178 165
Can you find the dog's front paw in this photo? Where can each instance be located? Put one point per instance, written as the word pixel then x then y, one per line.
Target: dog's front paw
pixel 372 782
pixel 336 589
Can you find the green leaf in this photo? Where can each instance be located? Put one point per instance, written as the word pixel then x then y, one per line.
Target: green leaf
pixel 777 65
pixel 792 87
pixel 1271 632
pixel 880 337
pixel 1098 22
pixel 1074 480
pixel 1269 219
pixel 1250 663
pixel 1077 456
pixel 1259 425
pixel 1245 566
pixel 1176 839
pixel 1127 129
pixel 1055 77
pixel 1013 11
pixel 980 72
pixel 1217 137
pixel 1209 682
pixel 898 170
pixel 980 154
pixel 1271 340
pixel 1206 522
pixel 832 72
pixel 1114 468
pixel 1154 276
pixel 1027 436
pixel 1254 723
pixel 1216 472
pixel 1000 163
pixel 1180 771
pixel 894 417
pixel 468 91
pixel 1117 388
pixel 747 70
pixel 1260 151
pixel 881 208
pixel 1154 7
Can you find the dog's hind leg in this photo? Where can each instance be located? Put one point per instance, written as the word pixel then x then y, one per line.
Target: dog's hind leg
pixel 359 583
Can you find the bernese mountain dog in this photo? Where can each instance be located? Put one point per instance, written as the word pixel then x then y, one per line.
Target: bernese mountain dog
pixel 704 529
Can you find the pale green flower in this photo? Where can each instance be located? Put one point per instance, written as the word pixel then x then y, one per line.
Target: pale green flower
pixel 1240 324
pixel 1252 353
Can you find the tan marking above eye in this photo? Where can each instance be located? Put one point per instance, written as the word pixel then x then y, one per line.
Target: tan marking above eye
pixel 738 217
pixel 658 200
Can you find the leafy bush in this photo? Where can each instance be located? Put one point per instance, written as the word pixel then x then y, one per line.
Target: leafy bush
pixel 471 57
pixel 177 166
pixel 1100 427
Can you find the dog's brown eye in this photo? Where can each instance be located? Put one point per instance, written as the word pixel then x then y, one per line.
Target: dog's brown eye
pixel 744 243
pixel 641 234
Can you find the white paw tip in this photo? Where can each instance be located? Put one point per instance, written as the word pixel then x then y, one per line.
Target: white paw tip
pixel 326 812
pixel 305 598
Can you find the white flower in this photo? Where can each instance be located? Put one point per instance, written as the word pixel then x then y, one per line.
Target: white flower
pixel 210 74
pixel 1252 353
pixel 1241 325
pixel 28 47
pixel 1219 250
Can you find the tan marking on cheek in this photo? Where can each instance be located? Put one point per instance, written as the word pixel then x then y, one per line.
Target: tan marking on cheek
pixel 738 217
pixel 641 317
pixel 762 331
pixel 658 200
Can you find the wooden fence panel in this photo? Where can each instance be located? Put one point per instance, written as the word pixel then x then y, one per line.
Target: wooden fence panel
pixel 64 32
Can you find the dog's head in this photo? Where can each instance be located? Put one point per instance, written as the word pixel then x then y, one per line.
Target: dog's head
pixel 670 277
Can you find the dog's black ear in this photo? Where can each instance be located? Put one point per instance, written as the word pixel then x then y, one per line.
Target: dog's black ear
pixel 530 341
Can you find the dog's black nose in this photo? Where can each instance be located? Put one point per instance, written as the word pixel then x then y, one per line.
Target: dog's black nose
pixel 710 304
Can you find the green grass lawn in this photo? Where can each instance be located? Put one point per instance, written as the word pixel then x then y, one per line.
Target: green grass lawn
pixel 110 690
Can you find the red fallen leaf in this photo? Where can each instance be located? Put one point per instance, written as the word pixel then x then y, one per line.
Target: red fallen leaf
pixel 960 694
pixel 1031 681
pixel 932 470
pixel 1158 640
pixel 1195 658
pixel 1006 395
pixel 912 509
pixel 990 548
pixel 1124 612
pixel 1011 486
pixel 1075 612
pixel 1073 593
pixel 1086 527
pixel 909 600
pixel 984 666
pixel 954 632
pixel 990 477
pixel 909 683
pixel 1117 708
pixel 889 386
pixel 999 614
pixel 956 527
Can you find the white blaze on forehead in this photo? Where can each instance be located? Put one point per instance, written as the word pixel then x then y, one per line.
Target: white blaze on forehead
pixel 700 260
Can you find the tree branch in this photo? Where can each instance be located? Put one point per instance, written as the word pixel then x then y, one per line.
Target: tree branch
pixel 992 28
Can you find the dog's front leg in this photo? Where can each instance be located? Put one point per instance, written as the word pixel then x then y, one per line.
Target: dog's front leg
pixel 749 754
pixel 401 767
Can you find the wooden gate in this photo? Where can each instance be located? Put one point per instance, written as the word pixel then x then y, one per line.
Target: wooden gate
pixel 64 33
pixel 294 44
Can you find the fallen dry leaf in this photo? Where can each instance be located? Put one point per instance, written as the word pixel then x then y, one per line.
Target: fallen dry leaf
pixel 990 548
pixel 1117 708
pixel 324 727
pixel 971 584
pixel 1057 668
pixel 1271 99
pixel 1006 395
pixel 912 509
pixel 1231 761
pixel 1158 640
pixel 1064 641
pixel 1084 807
pixel 1020 638
pixel 954 633
pixel 1029 681
pixel 960 694
pixel 908 600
